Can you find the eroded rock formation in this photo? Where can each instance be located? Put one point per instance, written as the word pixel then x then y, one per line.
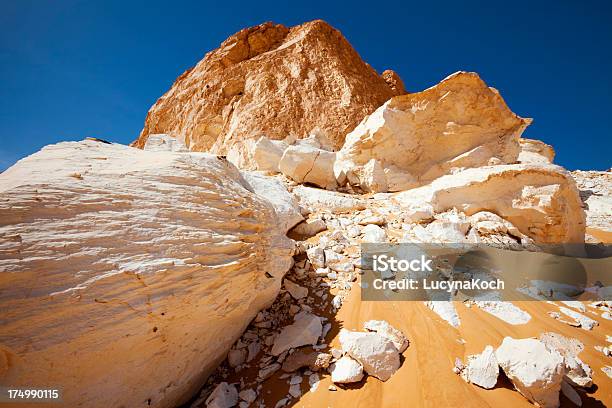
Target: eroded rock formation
pixel 415 138
pixel 122 268
pixel 275 81
pixel 542 201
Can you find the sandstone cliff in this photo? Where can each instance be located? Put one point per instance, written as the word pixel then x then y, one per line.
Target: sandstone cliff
pixel 275 81
pixel 127 274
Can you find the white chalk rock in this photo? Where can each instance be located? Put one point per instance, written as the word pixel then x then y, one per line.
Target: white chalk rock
pixel 418 137
pixel 346 370
pixel 305 330
pixel 164 143
pixel 316 256
pixel 482 369
pixel 542 201
pixel 134 261
pixel 374 234
pixel 334 202
pixel 378 356
pixel 585 322
pixel 286 205
pixel 389 332
pixel 306 164
pixel 535 371
pixel 503 310
pixel 267 154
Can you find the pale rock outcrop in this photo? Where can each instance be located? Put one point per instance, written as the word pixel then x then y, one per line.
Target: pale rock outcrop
pixel 535 151
pixel 346 370
pixel 596 194
pixel 378 356
pixel 542 201
pixel 579 373
pixel 306 164
pixel 535 371
pixel 389 332
pixel 270 80
pixel 316 199
pixel 482 369
pixel 141 269
pixel 267 154
pixel 164 143
pixel 285 204
pixel 306 329
pixel 416 138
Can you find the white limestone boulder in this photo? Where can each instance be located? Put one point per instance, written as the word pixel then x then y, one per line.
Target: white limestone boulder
pixel 284 203
pixel 306 164
pixel 482 369
pixel 542 201
pixel 378 356
pixel 418 137
pixel 134 262
pixel 267 154
pixel 389 332
pixel 346 370
pixel 535 371
pixel 316 199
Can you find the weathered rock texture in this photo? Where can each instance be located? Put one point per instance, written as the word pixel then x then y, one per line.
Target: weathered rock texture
pixel 542 201
pixel 535 151
pixel 274 81
pixel 596 193
pixel 128 274
pixel 415 138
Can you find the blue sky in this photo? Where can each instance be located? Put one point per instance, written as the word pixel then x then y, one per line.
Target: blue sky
pixel 72 69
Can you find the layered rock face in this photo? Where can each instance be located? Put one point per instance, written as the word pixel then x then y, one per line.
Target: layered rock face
pixel 127 274
pixel 413 139
pixel 535 151
pixel 542 201
pixel 275 81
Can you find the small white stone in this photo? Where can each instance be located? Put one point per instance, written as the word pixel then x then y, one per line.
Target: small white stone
pixel 346 370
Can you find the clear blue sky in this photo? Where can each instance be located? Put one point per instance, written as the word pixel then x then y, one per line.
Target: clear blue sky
pixel 71 69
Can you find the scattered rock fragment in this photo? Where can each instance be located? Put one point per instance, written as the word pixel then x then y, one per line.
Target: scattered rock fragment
pixel 585 322
pixel 223 396
pixel 374 234
pixel 296 291
pixel 389 332
pixel 301 358
pixel 482 369
pixel 305 330
pixel 535 371
pixel 346 370
pixel 377 355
